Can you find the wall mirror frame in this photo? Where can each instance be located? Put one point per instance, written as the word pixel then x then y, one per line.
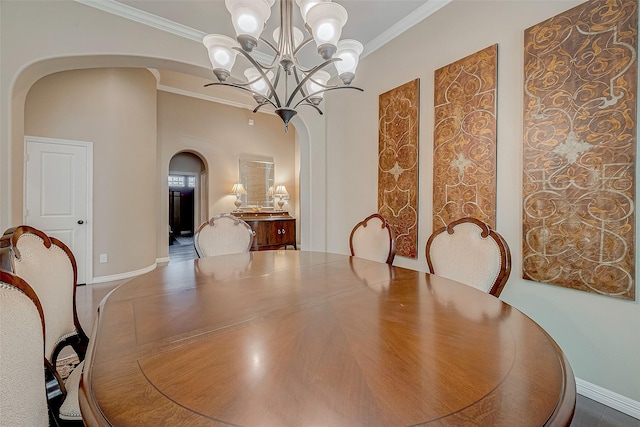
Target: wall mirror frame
pixel 257 176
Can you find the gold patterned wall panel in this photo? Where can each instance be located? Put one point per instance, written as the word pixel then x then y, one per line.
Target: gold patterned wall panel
pixel 580 148
pixel 398 111
pixel 464 153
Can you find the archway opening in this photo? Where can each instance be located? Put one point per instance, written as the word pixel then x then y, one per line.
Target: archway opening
pixel 187 203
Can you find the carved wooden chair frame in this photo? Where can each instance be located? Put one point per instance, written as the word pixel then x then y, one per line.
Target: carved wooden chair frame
pixel 210 223
pixel 385 225
pixel 486 232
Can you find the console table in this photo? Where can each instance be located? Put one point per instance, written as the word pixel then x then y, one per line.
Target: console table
pixel 274 229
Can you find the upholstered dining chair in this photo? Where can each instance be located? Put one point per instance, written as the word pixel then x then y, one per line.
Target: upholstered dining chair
pixel 49 266
pixel 223 234
pixel 22 375
pixel 373 239
pixel 469 251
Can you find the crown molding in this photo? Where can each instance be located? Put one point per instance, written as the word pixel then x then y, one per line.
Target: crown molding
pixel 133 14
pixel 137 15
pixel 427 9
pixel 197 95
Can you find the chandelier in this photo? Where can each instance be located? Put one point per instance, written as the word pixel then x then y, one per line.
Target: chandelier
pixel 323 21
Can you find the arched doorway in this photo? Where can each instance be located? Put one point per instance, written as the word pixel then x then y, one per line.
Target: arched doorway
pixel 187 203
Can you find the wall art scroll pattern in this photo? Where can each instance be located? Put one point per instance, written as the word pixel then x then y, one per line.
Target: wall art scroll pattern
pixel 580 147
pixel 464 154
pixel 398 111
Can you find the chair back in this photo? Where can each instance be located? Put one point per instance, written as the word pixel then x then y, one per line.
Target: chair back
pixel 223 234
pixel 49 266
pixel 373 239
pixel 470 252
pixel 22 377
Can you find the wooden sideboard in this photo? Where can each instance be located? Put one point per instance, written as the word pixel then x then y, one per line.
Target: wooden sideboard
pixel 274 229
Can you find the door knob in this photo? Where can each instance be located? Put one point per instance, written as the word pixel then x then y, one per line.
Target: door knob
pixel 80 222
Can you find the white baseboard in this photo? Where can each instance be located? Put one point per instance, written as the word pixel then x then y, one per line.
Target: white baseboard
pixel 122 276
pixel 162 260
pixel 608 398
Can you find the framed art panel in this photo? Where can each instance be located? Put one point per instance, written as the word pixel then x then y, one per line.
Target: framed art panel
pixel 464 139
pixel 579 152
pixel 398 111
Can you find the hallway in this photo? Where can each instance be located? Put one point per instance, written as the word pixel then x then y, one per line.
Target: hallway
pixel 181 249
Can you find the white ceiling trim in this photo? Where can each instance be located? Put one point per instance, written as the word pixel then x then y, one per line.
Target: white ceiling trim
pixel 131 13
pixel 128 12
pixel 404 24
pixel 197 95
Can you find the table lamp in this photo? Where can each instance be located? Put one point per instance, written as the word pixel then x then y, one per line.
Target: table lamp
pixel 281 192
pixel 238 190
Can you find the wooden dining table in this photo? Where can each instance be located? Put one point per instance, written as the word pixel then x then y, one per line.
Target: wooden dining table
pixel 295 338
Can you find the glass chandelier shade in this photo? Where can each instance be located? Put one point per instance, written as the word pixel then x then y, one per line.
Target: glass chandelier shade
pixel 326 21
pixel 349 52
pixel 221 54
pixel 305 5
pixel 248 18
pixel 323 21
pixel 257 82
pixel 316 85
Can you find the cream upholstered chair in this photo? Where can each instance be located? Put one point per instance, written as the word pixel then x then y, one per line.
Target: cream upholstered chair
pixel 373 239
pixel 469 251
pixel 223 234
pixel 50 268
pixel 22 375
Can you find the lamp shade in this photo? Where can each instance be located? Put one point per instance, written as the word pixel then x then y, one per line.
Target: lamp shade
pixel 326 21
pixel 281 190
pixel 305 5
pixel 317 82
pixel 298 36
pixel 258 85
pixel 249 17
pixel 238 189
pixel 349 52
pixel 221 53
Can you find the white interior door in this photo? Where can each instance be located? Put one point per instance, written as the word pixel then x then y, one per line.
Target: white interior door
pixel 58 178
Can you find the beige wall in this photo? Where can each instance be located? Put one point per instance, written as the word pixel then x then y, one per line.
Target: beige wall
pixel 38 38
pixel 132 126
pixel 220 135
pixel 598 334
pixel 115 109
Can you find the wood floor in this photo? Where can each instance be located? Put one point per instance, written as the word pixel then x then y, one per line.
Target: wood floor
pixel 589 413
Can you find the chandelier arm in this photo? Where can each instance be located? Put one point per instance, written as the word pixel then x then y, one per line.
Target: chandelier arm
pixel 237 86
pixel 308 104
pixel 297 77
pixel 306 98
pixel 296 61
pixel 308 76
pixel 255 110
pixel 259 67
pixel 276 58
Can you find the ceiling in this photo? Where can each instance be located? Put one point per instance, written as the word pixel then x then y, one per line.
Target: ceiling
pixel 372 22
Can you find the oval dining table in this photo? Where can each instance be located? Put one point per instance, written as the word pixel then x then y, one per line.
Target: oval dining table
pixel 295 338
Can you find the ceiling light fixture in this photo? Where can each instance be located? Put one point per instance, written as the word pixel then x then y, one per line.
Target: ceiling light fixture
pixel 323 22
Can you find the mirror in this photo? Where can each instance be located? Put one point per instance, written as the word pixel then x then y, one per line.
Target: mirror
pixel 257 177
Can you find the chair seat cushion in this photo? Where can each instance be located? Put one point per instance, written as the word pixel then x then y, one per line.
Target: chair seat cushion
pixel 70 408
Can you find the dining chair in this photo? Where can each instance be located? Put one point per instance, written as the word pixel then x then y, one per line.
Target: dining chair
pixel 49 266
pixel 469 251
pixel 22 375
pixel 223 234
pixel 373 239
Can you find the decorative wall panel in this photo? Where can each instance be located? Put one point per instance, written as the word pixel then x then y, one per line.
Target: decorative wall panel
pixel 398 164
pixel 464 138
pixel 580 148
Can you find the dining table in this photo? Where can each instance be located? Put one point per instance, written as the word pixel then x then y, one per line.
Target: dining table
pixel 302 338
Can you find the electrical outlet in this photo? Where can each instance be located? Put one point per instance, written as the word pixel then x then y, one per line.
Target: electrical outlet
pixel 104 258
